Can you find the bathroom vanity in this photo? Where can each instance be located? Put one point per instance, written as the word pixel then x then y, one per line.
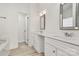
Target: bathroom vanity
pixel 67 45
pixel 39 42
pixel 58 46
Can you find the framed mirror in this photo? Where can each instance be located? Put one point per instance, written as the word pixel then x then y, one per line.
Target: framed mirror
pixel 42 22
pixel 69 16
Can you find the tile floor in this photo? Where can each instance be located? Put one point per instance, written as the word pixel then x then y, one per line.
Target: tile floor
pixel 24 50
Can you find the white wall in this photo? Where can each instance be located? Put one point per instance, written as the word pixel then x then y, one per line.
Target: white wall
pixel 52 21
pixel 11 12
pixel 34 22
pixel 35 40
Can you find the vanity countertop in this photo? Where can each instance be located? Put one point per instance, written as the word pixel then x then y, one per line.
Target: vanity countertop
pixel 52 36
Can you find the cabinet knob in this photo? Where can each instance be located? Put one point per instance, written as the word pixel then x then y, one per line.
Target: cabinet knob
pixel 53 51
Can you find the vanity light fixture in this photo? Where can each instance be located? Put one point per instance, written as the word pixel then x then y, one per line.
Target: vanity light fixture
pixel 43 12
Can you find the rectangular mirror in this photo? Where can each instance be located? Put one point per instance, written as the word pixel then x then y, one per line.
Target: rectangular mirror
pixel 69 16
pixel 42 22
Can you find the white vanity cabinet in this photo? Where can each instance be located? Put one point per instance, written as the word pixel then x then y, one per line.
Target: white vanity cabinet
pixel 61 53
pixel 50 50
pixel 54 47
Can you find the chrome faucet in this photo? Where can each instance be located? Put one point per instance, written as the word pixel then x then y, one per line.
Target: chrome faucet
pixel 68 34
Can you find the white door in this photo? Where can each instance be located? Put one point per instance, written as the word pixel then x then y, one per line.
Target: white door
pixel 22 28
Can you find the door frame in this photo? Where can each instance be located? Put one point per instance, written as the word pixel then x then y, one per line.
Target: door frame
pixel 24 15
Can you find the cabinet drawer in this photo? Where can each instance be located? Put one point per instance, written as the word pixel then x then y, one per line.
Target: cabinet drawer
pixel 50 50
pixel 61 53
pixel 68 48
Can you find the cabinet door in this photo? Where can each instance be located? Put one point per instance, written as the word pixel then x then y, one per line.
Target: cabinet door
pixel 61 53
pixel 50 50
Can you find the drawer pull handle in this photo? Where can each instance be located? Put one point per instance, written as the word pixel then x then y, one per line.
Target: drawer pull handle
pixel 53 51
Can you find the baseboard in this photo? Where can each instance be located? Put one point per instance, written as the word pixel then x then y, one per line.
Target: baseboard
pixel 37 51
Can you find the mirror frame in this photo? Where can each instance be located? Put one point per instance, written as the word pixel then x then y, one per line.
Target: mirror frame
pixel 75 10
pixel 42 22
